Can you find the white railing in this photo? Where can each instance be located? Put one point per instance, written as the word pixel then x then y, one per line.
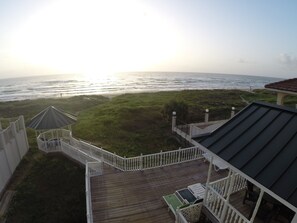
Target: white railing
pixel 50 141
pixel 144 161
pixel 201 128
pixel 190 131
pixel 188 214
pixel 54 141
pixel 216 203
pixel 222 185
pixel 92 169
pixel 76 154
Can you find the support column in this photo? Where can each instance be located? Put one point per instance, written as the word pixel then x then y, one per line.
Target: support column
pixel 208 180
pixel 280 98
pixel 206 117
pixel 295 218
pixel 257 206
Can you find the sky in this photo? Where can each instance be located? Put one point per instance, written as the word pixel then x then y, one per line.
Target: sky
pixel 98 37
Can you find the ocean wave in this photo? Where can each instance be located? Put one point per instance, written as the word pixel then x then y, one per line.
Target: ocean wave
pixel 67 85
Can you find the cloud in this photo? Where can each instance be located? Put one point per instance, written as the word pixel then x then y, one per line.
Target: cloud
pixel 287 59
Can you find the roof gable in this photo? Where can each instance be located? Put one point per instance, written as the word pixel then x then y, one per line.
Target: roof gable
pixel 261 141
pixel 51 118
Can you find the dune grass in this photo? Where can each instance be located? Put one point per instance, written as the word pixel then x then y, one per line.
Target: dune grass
pixel 50 188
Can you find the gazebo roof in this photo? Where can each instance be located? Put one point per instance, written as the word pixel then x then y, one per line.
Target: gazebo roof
pixel 51 118
pixel 260 141
pixel 289 85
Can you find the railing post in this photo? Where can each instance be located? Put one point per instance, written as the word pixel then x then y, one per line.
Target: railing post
pixel 140 162
pixel 232 112
pixel 226 202
pixel 161 154
pixel 195 152
pixel 190 131
pixel 113 159
pixel 125 163
pixel 178 155
pixel 173 121
pixel 206 117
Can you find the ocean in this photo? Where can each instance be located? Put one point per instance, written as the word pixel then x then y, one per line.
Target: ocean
pixel 70 85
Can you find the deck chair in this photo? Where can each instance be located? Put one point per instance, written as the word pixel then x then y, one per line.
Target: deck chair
pixel 218 164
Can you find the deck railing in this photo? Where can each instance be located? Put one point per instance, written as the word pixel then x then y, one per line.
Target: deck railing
pixel 217 203
pixel 49 141
pixel 92 169
pixel 188 131
pixel 222 185
pixel 189 214
pixel 54 141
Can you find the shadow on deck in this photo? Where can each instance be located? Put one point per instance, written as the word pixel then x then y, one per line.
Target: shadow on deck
pixel 137 196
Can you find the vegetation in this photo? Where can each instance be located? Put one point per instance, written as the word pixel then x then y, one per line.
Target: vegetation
pixel 50 188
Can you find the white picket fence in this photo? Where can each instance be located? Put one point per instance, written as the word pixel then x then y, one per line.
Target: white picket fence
pixel 13 147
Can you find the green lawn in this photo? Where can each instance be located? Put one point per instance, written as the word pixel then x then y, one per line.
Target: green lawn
pixel 50 188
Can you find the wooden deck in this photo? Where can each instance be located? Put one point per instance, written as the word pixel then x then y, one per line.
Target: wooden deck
pixel 137 196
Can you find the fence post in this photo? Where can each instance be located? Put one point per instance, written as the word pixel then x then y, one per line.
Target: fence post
pixel 161 154
pixel 232 112
pixel 15 134
pixel 206 117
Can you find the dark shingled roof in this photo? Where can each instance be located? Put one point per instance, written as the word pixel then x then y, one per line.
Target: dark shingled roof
pixel 261 141
pixel 51 118
pixel 286 85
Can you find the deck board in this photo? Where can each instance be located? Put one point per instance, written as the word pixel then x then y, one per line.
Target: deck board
pixel 137 196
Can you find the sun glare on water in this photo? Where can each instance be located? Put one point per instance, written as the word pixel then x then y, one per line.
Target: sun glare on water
pixel 95 38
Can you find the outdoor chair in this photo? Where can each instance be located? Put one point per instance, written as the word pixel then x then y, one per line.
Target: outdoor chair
pixel 180 199
pixel 174 203
pixel 217 164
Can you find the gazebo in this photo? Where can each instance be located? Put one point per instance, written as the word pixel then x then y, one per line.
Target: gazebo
pixel 51 118
pixel 50 126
